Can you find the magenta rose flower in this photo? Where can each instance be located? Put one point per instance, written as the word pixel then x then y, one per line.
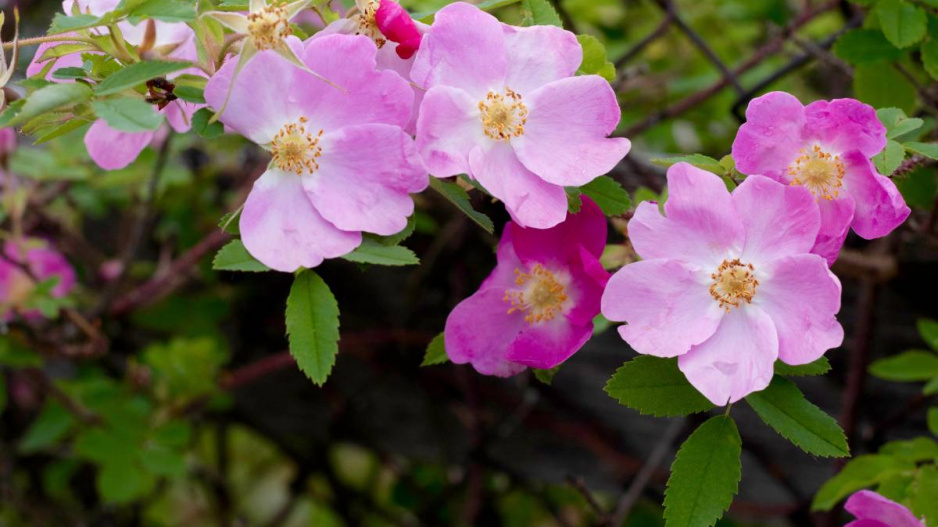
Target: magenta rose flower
pixel 16 285
pixel 825 147
pixel 503 106
pixel 873 510
pixel 727 282
pixel 341 163
pixel 536 309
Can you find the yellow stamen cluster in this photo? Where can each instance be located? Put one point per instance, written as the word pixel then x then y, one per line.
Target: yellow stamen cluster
pixel 269 26
pixel 733 282
pixel 367 25
pixel 819 171
pixel 541 296
pixel 503 116
pixel 295 149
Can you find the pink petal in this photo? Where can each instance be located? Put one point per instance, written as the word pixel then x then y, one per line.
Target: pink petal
pixel 396 24
pixel 465 48
pixel 448 128
pixel 846 124
pixel 879 206
pixel 546 345
pixel 281 228
pixel 588 282
pixel 7 141
pixel 586 229
pixel 387 59
pixel 113 149
pixel 803 297
pixel 480 331
pixel 737 360
pixel 666 305
pixel 771 137
pixel 778 219
pixel 564 140
pixel 867 523
pixel 868 505
pixel 365 177
pixel 531 201
pixel 836 217
pixel 539 55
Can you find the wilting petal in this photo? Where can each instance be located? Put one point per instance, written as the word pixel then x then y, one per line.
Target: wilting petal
pixel 448 128
pixel 113 149
pixel 771 137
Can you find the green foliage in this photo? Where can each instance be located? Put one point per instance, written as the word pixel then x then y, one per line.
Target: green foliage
pixel 235 257
pixel 457 196
pixel 818 367
pixel 373 252
pixel 655 386
pixel 546 376
pixel 50 426
pixel 859 473
pixel 128 114
pixel 609 195
pixel 137 74
pixel 313 326
pixel 539 13
pixel 202 125
pixel 698 160
pixel 909 366
pixel 44 100
pixel 902 22
pixel 933 421
pixel 436 352
pixel 595 61
pixel 859 46
pixel 880 85
pixel 184 369
pixel 890 158
pixel 783 407
pixel 705 475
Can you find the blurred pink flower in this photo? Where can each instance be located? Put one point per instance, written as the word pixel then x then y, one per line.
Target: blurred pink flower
pixel 341 162
pixel 7 141
pixel 873 510
pixel 16 285
pixel 536 309
pixel 503 106
pixel 825 147
pixel 727 282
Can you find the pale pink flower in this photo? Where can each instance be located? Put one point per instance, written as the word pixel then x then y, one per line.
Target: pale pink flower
pixel 873 510
pixel 727 282
pixel 16 285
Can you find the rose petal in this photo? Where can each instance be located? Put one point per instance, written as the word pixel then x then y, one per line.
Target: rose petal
pixel 771 136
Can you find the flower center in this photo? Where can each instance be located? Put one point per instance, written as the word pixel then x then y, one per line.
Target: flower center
pixel 295 149
pixel 819 171
pixel 503 116
pixel 269 26
pixel 541 295
pixel 733 281
pixel 367 25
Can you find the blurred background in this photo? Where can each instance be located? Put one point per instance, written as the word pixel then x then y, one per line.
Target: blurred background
pixel 179 405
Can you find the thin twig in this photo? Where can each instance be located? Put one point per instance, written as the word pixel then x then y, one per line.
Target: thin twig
pixel 630 498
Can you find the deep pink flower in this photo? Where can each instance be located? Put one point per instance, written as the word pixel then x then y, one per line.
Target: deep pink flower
pixel 873 510
pixel 727 282
pixel 7 141
pixel 341 163
pixel 825 147
pixel 396 24
pixel 504 107
pixel 536 309
pixel 16 286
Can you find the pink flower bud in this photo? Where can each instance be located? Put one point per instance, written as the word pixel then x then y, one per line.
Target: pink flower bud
pixel 397 25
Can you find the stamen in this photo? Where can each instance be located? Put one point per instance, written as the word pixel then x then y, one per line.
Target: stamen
pixel 269 26
pixel 367 25
pixel 295 149
pixel 733 281
pixel 503 116
pixel 819 171
pixel 541 295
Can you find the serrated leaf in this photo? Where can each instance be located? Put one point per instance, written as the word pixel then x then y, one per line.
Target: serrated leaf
pixel 46 99
pixel 436 352
pixel 783 407
pixel 929 52
pixel 890 158
pixel 457 196
pixel 903 23
pixel 63 23
pixel 904 126
pixel 929 150
pixel 655 386
pixel 372 252
pixel 595 61
pixel 928 329
pixel 910 366
pixel 859 473
pixel 137 74
pixel 818 367
pixel 698 160
pixel 235 257
pixel 609 195
pixel 128 114
pixel 230 222
pixel 47 429
pixel 202 125
pixel 313 326
pixel 705 475
pixel 539 13
pixel 865 45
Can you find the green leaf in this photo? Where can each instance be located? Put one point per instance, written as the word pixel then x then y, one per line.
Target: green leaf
pixel 427 16
pixel 881 86
pixel 930 57
pixel 859 473
pixel 46 99
pixel 890 158
pixel 655 386
pixel 372 252
pixel 924 493
pixel 47 429
pixel 235 257
pixel 929 150
pixel 783 407
pixel 546 376
pixel 457 196
pixel 202 125
pixel 137 74
pixel 595 61
pixel 609 195
pixel 928 329
pixel 63 23
pixel 165 10
pixel 161 461
pixel 903 23
pixel 904 126
pixel 229 222
pixel 909 366
pixel 818 367
pixel 918 188
pixel 914 450
pixel 313 326
pixel 865 45
pixel 933 420
pixel 698 160
pixel 190 94
pixel 128 114
pixel 705 475
pixel 70 73
pixel 123 482
pixel 539 13
pixel 436 352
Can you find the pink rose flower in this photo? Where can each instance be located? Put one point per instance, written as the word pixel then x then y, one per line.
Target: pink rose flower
pixel 825 147
pixel 503 106
pixel 536 309
pixel 727 282
pixel 396 24
pixel 873 510
pixel 16 286
pixel 341 163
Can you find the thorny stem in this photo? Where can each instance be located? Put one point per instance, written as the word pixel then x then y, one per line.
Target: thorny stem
pixel 35 41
